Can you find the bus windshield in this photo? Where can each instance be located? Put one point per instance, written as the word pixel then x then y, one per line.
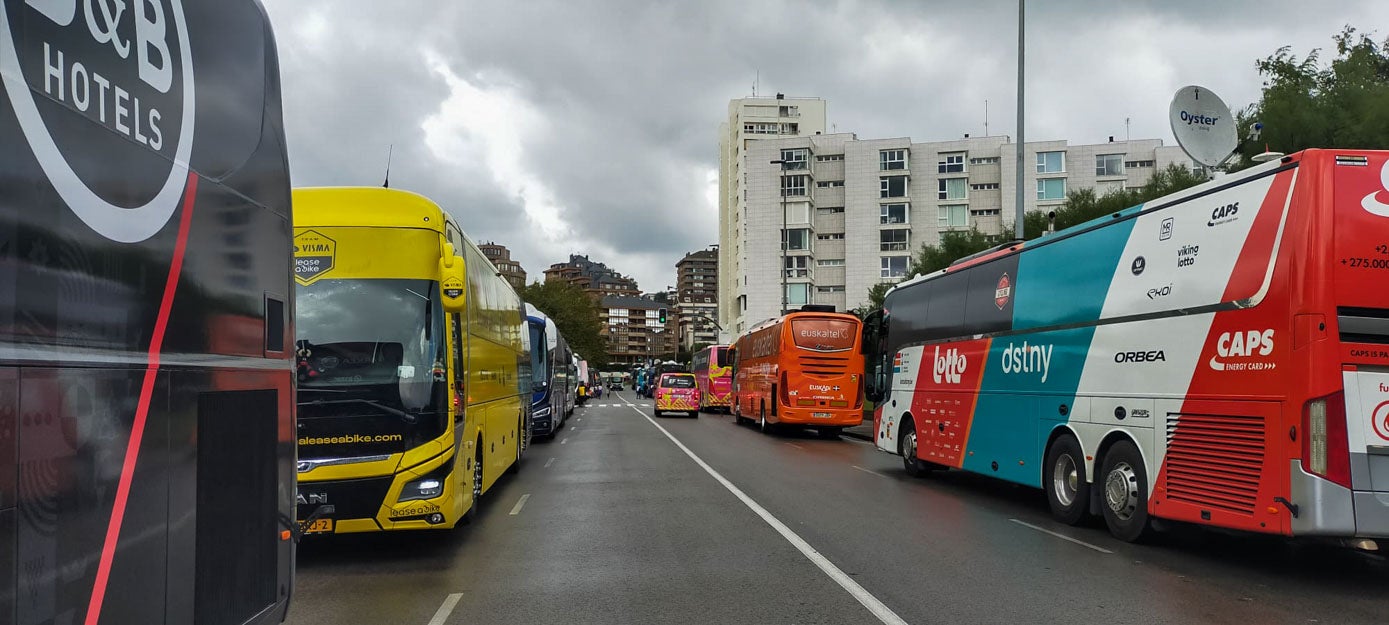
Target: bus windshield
pixel 823 335
pixel 540 371
pixel 373 348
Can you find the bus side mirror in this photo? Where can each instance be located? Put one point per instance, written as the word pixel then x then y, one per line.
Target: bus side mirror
pixel 453 280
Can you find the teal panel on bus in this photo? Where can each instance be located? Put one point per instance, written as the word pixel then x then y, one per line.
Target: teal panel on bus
pixel 1067 281
pixel 1026 379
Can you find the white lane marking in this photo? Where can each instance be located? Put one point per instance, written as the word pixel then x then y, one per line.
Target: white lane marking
pixel 520 502
pixel 446 609
pixel 868 470
pixel 581 418
pixel 876 607
pixel 549 462
pixel 795 445
pixel 564 441
pixel 573 427
pixel 1061 536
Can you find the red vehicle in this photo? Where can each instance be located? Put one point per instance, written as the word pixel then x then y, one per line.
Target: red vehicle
pixel 713 373
pixel 804 368
pixel 676 392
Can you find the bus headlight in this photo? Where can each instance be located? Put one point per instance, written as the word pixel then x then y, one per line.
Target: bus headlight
pixel 427 487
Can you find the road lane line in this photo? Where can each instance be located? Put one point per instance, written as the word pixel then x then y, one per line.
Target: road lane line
pixel 520 502
pixel 868 471
pixel 1061 536
pixel 795 445
pixel 549 462
pixel 446 609
pixel 876 607
pixel 573 427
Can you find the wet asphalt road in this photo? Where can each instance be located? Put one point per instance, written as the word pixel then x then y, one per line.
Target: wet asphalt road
pixel 619 525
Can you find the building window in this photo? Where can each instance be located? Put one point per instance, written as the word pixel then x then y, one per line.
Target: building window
pixel 892 159
pixel 798 266
pixel 793 185
pixel 1051 189
pixel 794 159
pixel 830 262
pixel 829 289
pixel 894 240
pixel 984 186
pixel 984 160
pixel 790 111
pixel 799 239
pixel 798 213
pixel 951 163
pixel 823 158
pixel 953 216
pixel 951 188
pixel 892 186
pixel 981 212
pixel 829 184
pixel 829 210
pixel 1109 165
pixel 797 294
pixel 1139 164
pixel 833 236
pixel 1051 162
pixel 892 214
pixel 893 267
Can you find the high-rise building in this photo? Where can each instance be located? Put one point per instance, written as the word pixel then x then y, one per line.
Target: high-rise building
pixel 501 257
pixel 697 297
pixel 750 120
pixel 855 211
pixel 634 333
pixel 592 276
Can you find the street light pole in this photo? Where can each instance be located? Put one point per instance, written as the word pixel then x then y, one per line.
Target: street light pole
pixel 1018 212
pixel 785 236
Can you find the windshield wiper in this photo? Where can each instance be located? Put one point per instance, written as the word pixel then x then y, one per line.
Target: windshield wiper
pixel 404 416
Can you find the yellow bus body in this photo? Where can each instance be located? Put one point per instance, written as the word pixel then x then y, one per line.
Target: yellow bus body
pixel 377 233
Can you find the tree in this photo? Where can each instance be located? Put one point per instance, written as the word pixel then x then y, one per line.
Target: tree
pixel 1305 104
pixel 574 313
pixel 954 245
pixel 876 294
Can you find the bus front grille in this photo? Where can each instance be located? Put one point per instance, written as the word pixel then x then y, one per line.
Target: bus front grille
pixel 1214 461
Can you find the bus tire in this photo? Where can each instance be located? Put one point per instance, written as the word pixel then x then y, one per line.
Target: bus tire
pixel 1068 493
pixel 738 414
pixel 829 433
pixel 477 486
pixel 906 447
pixel 1125 494
pixel 521 443
pixel 762 425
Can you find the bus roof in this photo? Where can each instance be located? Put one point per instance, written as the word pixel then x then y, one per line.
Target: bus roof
pixel 366 206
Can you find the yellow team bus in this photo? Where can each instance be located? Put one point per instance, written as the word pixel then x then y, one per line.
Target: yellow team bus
pixel 410 353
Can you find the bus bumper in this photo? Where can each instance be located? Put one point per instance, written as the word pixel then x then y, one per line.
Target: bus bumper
pixel 1329 509
pixel 821 417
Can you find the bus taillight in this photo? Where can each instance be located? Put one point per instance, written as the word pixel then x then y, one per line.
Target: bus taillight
pixel 785 392
pixel 1325 448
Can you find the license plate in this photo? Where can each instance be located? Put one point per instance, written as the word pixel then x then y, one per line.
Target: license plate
pixel 319 526
pixel 820 415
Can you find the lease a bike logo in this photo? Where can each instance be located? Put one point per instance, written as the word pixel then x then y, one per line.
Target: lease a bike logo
pixel 1243 351
pixel 1373 202
pixel 314 254
pixel 123 65
pixel 949 366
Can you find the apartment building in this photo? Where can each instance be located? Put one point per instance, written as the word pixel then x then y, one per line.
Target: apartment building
pixel 750 120
pixel 501 257
pixel 633 331
pixel 696 298
pixel 592 276
pixel 856 211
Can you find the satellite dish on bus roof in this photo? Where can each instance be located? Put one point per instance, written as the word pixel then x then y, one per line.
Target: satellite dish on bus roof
pixel 1203 125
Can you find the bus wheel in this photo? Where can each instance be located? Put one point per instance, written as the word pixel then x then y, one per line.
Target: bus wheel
pixel 906 446
pixel 1068 494
pixel 763 425
pixel 737 413
pixel 477 485
pixel 1126 493
pixel 521 443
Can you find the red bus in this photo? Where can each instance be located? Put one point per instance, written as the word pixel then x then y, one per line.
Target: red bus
pixel 804 368
pixel 1219 356
pixel 713 377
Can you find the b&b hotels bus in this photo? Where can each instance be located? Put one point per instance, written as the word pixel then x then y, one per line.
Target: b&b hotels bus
pixel 804 368
pixel 1219 356
pixel 410 359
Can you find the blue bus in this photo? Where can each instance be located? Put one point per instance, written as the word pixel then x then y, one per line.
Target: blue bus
pixel 550 388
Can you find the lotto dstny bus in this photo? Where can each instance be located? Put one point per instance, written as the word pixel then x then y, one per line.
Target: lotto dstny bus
pixel 1219 356
pixel 550 380
pixel 146 381
pixel 713 377
pixel 410 361
pixel 804 368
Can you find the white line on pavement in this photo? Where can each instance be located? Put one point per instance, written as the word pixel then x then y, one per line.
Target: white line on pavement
pixel 564 441
pixel 446 609
pixel 868 470
pixel 879 610
pixel 520 502
pixel 1061 536
pixel 573 427
pixel 549 462
pixel 795 445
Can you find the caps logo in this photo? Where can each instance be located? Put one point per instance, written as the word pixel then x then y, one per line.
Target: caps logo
pixel 124 65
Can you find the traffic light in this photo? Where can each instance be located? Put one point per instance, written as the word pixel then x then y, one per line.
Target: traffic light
pixel 661 316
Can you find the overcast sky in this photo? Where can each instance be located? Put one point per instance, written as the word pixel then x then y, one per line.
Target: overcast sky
pixel 591 127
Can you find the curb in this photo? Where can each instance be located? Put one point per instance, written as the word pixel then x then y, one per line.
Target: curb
pixel 863 436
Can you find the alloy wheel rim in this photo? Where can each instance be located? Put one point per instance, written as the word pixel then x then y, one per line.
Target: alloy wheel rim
pixel 1065 480
pixel 1121 491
